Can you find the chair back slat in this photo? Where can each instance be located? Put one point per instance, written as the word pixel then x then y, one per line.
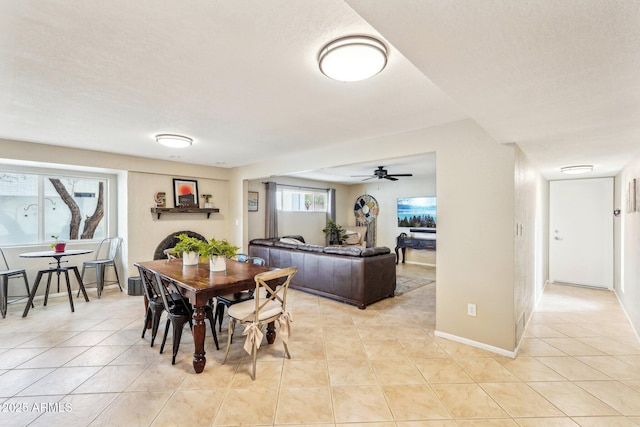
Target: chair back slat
pixel 276 289
pixel 171 296
pixel 256 260
pixel 108 248
pixel 149 286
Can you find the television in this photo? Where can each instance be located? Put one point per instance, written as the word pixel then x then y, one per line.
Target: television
pixel 418 212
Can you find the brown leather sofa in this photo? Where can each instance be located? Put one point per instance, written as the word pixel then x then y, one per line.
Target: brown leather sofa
pixel 349 274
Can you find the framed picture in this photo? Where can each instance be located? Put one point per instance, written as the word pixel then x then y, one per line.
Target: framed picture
pixel 185 193
pixel 252 201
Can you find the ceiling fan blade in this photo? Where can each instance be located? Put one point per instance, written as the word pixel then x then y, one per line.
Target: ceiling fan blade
pixel 401 174
pixel 390 178
pixel 361 176
pixel 367 179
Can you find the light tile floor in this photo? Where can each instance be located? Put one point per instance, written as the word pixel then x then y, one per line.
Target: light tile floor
pixel 579 365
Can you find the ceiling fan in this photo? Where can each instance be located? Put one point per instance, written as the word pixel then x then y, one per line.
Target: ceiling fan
pixel 381 173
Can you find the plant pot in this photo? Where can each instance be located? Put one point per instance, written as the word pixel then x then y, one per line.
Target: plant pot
pixel 59 247
pixel 208 205
pixel 217 263
pixel 190 258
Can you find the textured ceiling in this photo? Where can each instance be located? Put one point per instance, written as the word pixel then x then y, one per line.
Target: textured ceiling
pixel 560 78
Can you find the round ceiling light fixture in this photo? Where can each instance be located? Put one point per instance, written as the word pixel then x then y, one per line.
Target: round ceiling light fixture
pixel 353 58
pixel 174 141
pixel 574 170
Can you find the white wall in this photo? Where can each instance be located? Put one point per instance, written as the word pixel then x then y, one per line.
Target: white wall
pixel 627 247
pixel 475 258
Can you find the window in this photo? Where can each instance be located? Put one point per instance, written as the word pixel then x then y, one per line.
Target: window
pixel 301 200
pixel 34 207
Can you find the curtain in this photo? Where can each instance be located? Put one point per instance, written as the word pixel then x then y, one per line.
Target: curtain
pixel 271 206
pixel 331 209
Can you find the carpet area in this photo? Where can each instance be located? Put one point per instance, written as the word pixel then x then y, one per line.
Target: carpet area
pixel 406 284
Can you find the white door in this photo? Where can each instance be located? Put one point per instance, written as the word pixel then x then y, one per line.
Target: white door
pixel 581 232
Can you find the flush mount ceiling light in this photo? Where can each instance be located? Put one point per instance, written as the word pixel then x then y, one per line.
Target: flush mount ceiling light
pixel 174 141
pixel 353 58
pixel 574 170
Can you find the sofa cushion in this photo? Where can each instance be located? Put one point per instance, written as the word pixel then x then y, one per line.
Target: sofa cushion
pixel 262 242
pixel 282 244
pixel 311 248
pixel 377 250
pixel 291 240
pixel 342 250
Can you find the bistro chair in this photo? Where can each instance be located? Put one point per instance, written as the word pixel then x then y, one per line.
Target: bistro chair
pixel 269 305
pixel 105 257
pixel 179 311
pixel 228 300
pixel 155 305
pixel 7 273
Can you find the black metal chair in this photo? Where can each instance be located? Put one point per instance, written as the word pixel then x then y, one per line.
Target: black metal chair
pixel 7 273
pixel 155 306
pixel 179 311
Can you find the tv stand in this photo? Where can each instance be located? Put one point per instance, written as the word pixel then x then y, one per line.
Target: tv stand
pixel 403 242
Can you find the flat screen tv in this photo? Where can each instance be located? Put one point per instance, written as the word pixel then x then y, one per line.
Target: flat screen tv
pixel 417 212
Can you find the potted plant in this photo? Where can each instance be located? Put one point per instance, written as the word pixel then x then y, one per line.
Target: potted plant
pixel 207 203
pixel 189 248
pixel 58 245
pixel 218 251
pixel 334 232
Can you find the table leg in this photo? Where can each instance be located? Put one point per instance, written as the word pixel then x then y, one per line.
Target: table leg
pixel 46 294
pixel 199 329
pixel 33 293
pixel 4 290
pixel 66 275
pixel 80 284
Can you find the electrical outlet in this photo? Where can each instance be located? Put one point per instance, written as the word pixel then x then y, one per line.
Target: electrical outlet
pixel 471 310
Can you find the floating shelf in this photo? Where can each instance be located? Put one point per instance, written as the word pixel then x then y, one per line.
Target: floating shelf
pixel 208 211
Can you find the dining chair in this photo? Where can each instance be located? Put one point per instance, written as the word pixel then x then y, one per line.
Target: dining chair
pixel 179 311
pixel 228 300
pixel 155 305
pixel 7 273
pixel 269 305
pixel 105 257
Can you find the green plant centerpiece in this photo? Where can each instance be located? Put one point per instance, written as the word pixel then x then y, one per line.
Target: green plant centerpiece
pixel 218 251
pixel 189 248
pixel 334 232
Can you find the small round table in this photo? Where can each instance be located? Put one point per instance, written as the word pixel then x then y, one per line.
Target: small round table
pixel 57 268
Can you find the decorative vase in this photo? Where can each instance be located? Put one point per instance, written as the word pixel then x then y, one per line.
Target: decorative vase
pixel 208 205
pixel 59 247
pixel 190 258
pixel 217 263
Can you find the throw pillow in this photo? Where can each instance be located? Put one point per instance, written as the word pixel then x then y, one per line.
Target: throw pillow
pixel 353 238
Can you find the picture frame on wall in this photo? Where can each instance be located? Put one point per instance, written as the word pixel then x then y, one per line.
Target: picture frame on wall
pixel 252 201
pixel 185 193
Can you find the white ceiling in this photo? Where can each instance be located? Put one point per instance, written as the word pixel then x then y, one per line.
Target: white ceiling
pixel 558 77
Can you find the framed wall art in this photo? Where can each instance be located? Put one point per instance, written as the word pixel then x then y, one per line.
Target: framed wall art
pixel 185 193
pixel 252 201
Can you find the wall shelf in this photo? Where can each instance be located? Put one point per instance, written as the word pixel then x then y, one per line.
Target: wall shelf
pixel 208 211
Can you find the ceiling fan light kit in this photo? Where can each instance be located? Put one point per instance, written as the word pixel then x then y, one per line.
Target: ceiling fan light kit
pixel 381 173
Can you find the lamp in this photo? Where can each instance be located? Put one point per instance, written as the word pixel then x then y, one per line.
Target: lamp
pixel 174 141
pixel 574 170
pixel 353 58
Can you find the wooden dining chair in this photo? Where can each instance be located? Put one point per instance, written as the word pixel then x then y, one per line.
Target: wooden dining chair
pixel 269 304
pixel 7 273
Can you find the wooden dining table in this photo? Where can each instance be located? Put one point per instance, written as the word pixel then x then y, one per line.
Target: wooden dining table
pixel 199 285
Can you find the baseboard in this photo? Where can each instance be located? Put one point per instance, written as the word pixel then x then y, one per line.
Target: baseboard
pixel 624 310
pixel 418 263
pixel 476 344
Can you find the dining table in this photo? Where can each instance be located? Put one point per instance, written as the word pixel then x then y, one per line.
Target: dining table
pixel 57 269
pixel 199 284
